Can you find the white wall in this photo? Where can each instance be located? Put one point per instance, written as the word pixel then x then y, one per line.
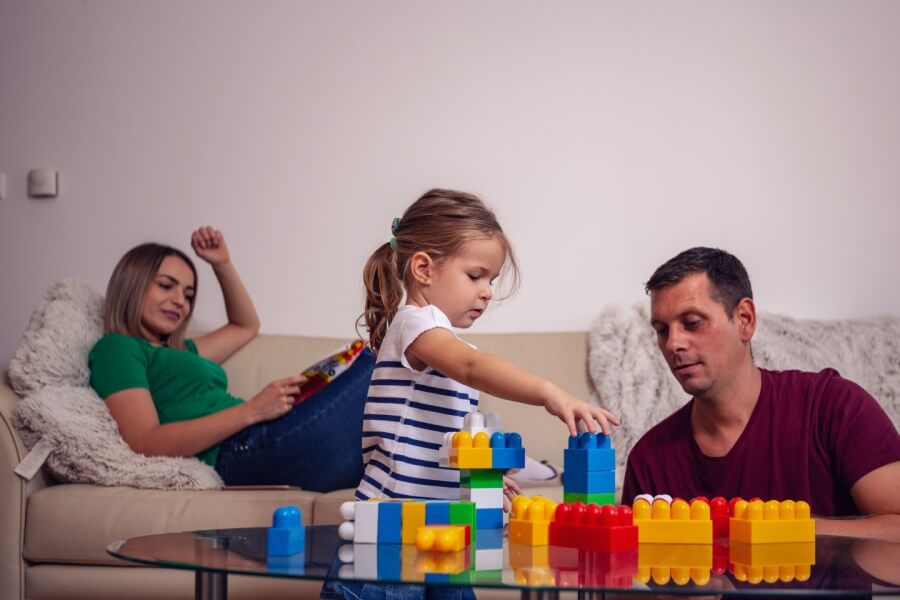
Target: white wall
pixel 608 136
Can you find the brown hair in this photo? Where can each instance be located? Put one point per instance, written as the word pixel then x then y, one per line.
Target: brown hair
pixel 438 223
pixel 128 284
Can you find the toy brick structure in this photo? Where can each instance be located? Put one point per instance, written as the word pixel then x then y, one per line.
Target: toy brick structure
pixel 772 562
pixel 593 527
pixel 482 453
pixel 589 469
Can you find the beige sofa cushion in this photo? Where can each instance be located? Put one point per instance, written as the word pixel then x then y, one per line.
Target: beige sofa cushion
pixel 74 523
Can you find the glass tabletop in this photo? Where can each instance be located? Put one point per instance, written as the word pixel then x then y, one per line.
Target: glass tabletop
pixel 831 566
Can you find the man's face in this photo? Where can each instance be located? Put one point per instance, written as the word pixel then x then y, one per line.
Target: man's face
pixel 704 348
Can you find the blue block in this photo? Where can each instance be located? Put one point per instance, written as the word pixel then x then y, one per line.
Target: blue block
pixel 508 458
pixel 390 517
pixel 590 482
pixel 287 535
pixel 589 459
pixel 389 561
pixel 437 578
pixel 437 513
pixel 489 518
pixel 489 539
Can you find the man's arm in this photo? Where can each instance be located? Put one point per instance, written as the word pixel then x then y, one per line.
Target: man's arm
pixel 877 493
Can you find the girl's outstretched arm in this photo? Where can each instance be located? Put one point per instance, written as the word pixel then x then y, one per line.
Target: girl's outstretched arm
pixel 243 322
pixel 440 349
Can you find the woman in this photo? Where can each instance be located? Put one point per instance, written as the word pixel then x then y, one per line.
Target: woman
pixel 169 395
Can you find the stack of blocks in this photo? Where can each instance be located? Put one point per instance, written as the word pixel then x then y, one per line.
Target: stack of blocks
pixel 589 469
pixel 482 453
pixel 286 541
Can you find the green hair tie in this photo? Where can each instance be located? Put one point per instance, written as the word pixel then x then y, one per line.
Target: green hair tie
pixel 395 226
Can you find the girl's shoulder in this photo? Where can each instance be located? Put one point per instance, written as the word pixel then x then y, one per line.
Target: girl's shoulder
pixel 421 314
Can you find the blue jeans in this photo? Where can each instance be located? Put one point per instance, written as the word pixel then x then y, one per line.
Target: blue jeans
pixel 316 446
pixel 351 590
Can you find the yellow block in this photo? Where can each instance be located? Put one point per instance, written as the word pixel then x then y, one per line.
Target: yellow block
pixel 532 533
pixel 472 458
pixel 441 538
pixel 409 570
pixel 413 517
pixel 654 531
pixel 767 532
pixel 442 562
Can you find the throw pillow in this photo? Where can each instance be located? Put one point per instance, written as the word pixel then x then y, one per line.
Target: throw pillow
pixel 50 368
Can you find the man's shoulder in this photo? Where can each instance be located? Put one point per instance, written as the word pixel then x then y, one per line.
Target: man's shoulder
pixel 817 384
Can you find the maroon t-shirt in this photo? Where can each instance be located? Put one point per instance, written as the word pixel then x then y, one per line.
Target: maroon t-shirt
pixel 811 437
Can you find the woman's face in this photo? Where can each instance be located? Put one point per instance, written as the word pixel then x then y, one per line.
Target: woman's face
pixel 168 300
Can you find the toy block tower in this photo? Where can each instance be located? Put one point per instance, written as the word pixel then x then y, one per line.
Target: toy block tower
pixel 661 520
pixel 589 465
pixel 482 453
pixel 759 522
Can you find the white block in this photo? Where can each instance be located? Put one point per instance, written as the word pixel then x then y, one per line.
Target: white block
pixel 486 497
pixel 366 523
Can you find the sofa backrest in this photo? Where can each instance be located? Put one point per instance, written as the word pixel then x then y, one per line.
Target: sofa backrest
pixel 560 357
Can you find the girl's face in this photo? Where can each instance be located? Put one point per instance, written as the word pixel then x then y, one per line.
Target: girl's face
pixel 168 299
pixel 461 284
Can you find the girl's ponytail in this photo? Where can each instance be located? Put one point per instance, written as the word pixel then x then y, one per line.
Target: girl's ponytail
pixel 384 292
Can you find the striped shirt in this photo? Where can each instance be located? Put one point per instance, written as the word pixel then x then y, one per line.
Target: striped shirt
pixel 407 414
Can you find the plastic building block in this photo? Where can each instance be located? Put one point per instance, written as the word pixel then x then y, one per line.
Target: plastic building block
pixel 679 563
pixel 590 482
pixel 589 452
pixel 413 515
pixel 481 478
pixel 529 520
pixel 600 498
pixel 675 522
pixel 769 563
pixel 759 522
pixel 365 523
pixel 528 556
pixel 471 452
pixel 489 518
pixel 594 527
pixel 442 538
pixel 287 535
pixel 507 451
pixel 437 513
pixel 483 497
pixel 389 522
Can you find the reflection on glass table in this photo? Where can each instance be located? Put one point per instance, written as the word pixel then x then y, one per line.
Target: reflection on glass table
pixel 831 566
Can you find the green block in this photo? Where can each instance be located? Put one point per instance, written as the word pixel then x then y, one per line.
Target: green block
pixel 463 513
pixel 481 478
pixel 601 499
pixel 486 576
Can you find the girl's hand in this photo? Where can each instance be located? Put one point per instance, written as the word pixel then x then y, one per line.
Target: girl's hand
pixel 510 491
pixel 209 244
pixel 275 400
pixel 569 409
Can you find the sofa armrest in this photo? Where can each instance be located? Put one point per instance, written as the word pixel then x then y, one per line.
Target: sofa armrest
pixel 12 499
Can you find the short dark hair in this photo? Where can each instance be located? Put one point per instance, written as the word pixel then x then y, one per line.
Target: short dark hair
pixel 727 275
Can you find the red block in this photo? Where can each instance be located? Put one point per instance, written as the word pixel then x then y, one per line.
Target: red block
pixel 592 527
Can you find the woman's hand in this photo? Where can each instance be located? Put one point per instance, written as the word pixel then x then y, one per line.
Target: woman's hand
pixel 275 400
pixel 209 244
pixel 570 409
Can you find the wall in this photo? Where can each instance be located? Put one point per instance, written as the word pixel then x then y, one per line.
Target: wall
pixel 608 136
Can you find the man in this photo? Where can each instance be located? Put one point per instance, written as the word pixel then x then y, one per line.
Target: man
pixel 750 432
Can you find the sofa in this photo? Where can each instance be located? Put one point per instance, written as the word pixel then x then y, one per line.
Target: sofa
pixel 53 536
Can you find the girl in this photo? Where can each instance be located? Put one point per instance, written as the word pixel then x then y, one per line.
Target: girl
pixel 169 395
pixel 445 254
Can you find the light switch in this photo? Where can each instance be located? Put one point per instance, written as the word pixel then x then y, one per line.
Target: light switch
pixel 43 183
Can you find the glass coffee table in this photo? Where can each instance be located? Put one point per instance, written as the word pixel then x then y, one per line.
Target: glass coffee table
pixel 832 566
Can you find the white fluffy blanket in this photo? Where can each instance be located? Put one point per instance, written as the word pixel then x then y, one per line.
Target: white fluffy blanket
pixel 50 369
pixel 633 381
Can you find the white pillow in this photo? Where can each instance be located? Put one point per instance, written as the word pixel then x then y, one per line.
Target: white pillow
pixel 50 368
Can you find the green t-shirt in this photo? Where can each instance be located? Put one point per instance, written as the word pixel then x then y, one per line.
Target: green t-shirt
pixel 183 384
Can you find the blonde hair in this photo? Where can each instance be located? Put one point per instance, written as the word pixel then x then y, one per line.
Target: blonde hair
pixel 128 284
pixel 438 223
